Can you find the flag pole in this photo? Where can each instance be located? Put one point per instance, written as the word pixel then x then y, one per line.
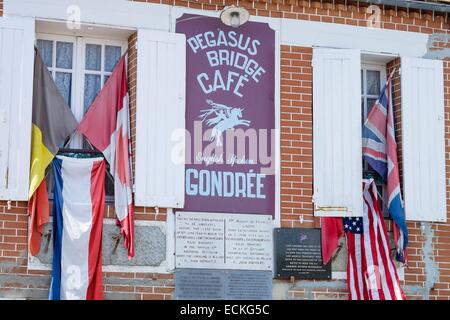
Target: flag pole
pixel 392 74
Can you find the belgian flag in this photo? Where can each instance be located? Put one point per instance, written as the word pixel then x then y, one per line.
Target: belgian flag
pixel 53 122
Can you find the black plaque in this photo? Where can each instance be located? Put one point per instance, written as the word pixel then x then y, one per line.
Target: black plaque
pixel 298 253
pixel 213 284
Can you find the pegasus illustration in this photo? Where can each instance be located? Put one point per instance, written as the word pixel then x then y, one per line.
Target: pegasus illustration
pixel 222 118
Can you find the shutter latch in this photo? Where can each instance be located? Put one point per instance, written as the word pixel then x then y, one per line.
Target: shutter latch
pixel 330 208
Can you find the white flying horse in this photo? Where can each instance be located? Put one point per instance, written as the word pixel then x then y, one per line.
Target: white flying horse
pixel 223 118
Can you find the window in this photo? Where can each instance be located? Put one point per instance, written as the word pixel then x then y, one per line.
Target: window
pixel 373 78
pixel 80 67
pixel 58 56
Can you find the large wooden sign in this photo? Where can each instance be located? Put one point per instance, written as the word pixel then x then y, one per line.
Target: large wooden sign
pixel 298 254
pixel 223 241
pixel 230 116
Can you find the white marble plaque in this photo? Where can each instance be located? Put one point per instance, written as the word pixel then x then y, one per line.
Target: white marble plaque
pixel 223 241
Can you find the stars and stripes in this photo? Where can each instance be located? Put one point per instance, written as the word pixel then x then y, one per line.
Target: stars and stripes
pixel 371 273
pixel 354 225
pixel 380 151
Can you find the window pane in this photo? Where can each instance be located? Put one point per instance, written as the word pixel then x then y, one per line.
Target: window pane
pixel 363 112
pixel 362 81
pixel 112 56
pixel 109 185
pixel 64 54
pixel 50 180
pixel 91 89
pixel 105 79
pixel 63 81
pixel 45 48
pixel 373 82
pixel 93 57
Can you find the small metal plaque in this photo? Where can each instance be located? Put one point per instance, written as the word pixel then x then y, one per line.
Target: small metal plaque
pixel 199 284
pixel 248 285
pixel 298 254
pixel 210 284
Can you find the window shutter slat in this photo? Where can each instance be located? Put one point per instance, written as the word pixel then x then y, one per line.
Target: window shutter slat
pixel 160 119
pixel 423 136
pixel 16 90
pixel 337 132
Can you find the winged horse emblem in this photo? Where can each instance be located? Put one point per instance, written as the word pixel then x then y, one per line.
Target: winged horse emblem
pixel 222 118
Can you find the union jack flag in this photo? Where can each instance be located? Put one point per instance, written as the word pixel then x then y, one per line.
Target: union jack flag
pixel 380 151
pixel 371 273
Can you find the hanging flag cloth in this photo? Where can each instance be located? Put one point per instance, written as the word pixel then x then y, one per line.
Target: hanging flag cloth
pixel 380 151
pixel 78 209
pixel 332 231
pixel 106 126
pixel 52 123
pixel 371 273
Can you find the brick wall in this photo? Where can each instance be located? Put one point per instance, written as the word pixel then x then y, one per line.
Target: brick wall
pixel 296 137
pixel 296 163
pixel 330 11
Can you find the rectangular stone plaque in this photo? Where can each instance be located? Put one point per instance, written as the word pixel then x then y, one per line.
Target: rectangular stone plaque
pixel 212 284
pixel 223 241
pixel 299 254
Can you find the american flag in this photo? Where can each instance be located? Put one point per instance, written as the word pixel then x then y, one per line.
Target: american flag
pixel 380 151
pixel 371 273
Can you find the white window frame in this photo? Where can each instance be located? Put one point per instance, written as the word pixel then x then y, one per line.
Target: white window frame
pixel 54 69
pixel 79 71
pixel 365 66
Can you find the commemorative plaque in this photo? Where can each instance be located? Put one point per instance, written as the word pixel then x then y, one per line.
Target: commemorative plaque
pixel 210 284
pixel 199 284
pixel 223 241
pixel 298 254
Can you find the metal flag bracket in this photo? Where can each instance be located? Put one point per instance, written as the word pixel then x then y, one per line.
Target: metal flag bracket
pixel 48 236
pixel 116 238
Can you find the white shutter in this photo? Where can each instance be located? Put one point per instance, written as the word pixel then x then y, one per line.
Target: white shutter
pixel 337 133
pixel 160 117
pixel 16 91
pixel 423 135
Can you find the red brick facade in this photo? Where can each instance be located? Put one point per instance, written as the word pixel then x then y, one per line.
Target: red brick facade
pixel 296 161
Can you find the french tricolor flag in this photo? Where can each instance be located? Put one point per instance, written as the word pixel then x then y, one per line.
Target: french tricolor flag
pixel 78 208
